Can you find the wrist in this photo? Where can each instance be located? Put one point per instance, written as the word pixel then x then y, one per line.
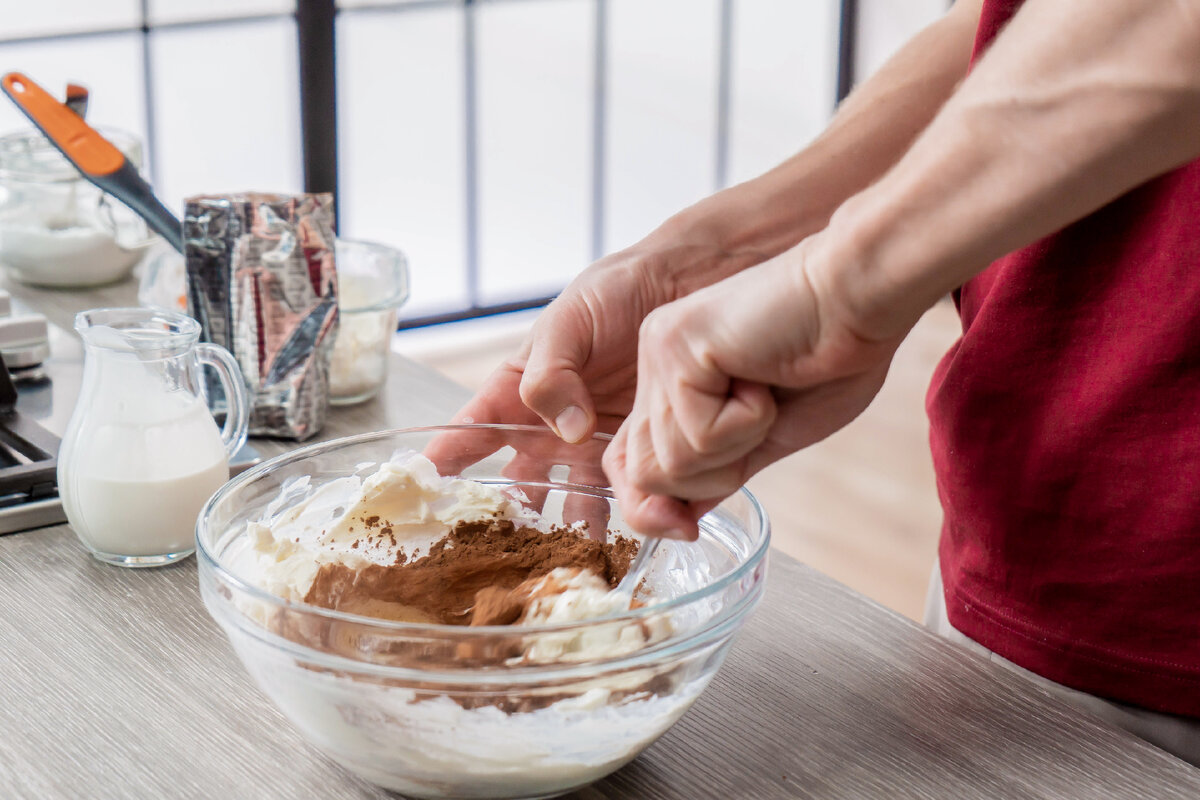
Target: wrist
pixel 726 233
pixel 862 265
pixel 766 215
pixel 687 252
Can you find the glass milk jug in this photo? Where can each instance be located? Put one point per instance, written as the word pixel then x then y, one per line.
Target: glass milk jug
pixel 142 453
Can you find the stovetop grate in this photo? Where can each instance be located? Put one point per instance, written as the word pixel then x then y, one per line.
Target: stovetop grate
pixel 28 466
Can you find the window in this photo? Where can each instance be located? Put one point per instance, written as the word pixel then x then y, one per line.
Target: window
pixel 502 144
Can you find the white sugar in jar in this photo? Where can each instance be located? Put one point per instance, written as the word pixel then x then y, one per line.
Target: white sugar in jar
pixel 56 228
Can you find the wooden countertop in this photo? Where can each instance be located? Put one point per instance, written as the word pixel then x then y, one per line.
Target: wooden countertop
pixel 115 683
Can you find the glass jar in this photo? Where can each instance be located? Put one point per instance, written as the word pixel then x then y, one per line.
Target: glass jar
pixel 372 285
pixel 56 228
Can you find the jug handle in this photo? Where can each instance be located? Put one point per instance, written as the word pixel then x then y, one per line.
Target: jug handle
pixel 237 418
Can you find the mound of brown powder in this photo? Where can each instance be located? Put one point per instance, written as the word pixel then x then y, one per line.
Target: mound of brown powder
pixel 469 576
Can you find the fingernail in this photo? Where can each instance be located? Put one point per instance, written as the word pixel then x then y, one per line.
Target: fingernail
pixel 571 423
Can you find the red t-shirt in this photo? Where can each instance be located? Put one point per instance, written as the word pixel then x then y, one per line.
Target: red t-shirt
pixel 1065 427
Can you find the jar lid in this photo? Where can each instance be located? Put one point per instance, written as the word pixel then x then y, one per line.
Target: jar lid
pixel 29 156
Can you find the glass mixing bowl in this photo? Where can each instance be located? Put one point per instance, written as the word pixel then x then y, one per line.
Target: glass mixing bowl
pixel 418 708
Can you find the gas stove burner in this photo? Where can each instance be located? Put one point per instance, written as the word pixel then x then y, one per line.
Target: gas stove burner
pixel 28 467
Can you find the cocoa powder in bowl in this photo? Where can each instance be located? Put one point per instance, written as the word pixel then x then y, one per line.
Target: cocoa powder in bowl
pixel 479 573
pixel 468 576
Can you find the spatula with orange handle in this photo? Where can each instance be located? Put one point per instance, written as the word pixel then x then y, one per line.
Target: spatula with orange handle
pixel 93 155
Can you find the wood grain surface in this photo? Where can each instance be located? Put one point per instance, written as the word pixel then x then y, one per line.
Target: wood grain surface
pixel 115 683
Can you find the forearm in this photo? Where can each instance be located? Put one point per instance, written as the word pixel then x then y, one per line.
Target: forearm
pixel 763 217
pixel 1077 102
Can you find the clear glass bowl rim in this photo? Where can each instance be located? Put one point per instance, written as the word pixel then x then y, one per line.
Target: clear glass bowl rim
pixel 438 631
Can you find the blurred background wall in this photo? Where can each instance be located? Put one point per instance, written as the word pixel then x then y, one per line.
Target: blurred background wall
pixel 503 144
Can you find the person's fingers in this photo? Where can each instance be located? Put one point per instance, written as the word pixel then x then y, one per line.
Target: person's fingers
pixel 650 515
pixel 716 482
pixel 802 418
pixel 644 471
pixel 666 516
pixel 640 511
pixel 741 422
pixel 531 470
pixel 556 392
pixel 455 450
pixel 692 432
pixel 552 385
pixel 662 516
pixel 582 506
pixel 614 462
pixel 700 415
pixel 497 400
pixel 635 445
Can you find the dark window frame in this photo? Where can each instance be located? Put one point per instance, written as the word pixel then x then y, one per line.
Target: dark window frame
pixel 316 22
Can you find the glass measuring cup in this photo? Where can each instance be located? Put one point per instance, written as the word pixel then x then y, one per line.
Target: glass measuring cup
pixel 142 453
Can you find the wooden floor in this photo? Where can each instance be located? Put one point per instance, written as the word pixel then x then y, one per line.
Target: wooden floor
pixel 860 506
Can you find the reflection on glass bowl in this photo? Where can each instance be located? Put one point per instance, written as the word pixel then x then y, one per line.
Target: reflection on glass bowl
pixel 406 706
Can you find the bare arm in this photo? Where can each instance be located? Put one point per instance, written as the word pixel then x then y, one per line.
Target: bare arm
pixel 870 131
pixel 1077 102
pixel 576 371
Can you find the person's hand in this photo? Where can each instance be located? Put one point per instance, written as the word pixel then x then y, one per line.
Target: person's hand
pixel 577 370
pixel 734 377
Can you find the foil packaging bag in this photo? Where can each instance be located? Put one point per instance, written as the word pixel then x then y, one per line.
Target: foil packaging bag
pixel 262 283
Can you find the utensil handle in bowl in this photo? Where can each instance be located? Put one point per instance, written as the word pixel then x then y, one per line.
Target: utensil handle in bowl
pixel 237 417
